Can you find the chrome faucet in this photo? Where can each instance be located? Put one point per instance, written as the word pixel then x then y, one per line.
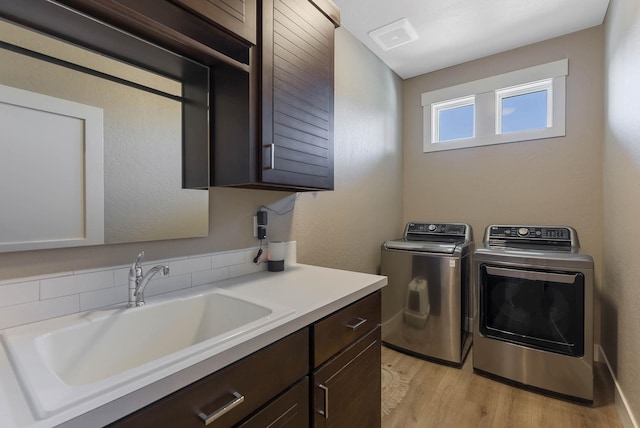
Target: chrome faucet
pixel 138 281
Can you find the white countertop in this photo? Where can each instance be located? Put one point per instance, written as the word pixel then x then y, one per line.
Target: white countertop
pixel 313 292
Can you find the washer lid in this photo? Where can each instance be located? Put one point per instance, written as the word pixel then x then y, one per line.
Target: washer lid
pixel 422 246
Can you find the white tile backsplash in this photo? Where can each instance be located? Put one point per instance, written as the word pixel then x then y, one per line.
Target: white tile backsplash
pixel 39 310
pixel 190 265
pixel 228 259
pixel 105 297
pixel 26 300
pixel 121 276
pixel 75 284
pixel 207 276
pixel 167 284
pixel 246 269
pixel 22 292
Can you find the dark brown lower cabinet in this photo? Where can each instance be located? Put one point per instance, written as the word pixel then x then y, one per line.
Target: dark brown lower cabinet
pixel 324 375
pixel 346 389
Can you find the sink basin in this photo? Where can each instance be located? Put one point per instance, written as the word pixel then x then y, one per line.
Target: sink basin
pixel 66 361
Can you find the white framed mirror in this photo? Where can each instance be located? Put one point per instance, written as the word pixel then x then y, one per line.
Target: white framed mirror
pixel 143 131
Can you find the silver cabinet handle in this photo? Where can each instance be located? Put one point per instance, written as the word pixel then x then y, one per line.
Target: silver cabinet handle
pixel 325 411
pixel 272 157
pixel 207 419
pixel 353 325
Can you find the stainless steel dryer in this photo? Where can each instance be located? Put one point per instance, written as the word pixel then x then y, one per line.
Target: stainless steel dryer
pixel 534 320
pixel 426 306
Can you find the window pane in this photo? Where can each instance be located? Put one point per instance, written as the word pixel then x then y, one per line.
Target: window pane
pixel 455 123
pixel 524 112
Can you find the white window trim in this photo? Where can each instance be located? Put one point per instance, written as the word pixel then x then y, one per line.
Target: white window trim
pixel 486 109
pixel 436 108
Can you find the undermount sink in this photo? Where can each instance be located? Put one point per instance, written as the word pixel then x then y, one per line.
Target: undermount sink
pixel 66 361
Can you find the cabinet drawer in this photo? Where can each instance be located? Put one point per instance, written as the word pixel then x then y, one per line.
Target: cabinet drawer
pixel 290 410
pixel 338 330
pixel 258 377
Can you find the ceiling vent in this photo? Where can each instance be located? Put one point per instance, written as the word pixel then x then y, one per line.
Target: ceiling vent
pixel 392 35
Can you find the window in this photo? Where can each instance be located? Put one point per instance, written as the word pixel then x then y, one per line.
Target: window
pixel 522 105
pixel 453 120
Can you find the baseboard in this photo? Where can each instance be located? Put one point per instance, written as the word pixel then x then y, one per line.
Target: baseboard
pixel 598 354
pixel 626 416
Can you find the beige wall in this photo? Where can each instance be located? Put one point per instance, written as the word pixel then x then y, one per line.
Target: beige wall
pixel 343 228
pixel 556 181
pixel 621 278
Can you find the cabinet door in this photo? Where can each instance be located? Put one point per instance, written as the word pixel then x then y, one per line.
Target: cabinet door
pixel 290 410
pixel 346 390
pixel 237 16
pixel 297 95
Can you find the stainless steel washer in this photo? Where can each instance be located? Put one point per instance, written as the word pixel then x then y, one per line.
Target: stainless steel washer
pixel 426 307
pixel 534 319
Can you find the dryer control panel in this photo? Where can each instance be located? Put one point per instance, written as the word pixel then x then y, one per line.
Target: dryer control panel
pixel 531 235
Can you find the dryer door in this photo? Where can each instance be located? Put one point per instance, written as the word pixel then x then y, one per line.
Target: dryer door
pixel 540 309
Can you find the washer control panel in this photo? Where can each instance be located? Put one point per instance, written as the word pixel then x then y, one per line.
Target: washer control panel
pixel 456 233
pixel 436 228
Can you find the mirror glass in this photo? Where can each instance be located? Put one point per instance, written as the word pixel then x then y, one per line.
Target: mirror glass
pixel 139 115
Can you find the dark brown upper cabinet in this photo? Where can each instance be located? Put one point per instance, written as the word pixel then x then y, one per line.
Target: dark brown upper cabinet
pixel 238 16
pixel 293 77
pixel 271 74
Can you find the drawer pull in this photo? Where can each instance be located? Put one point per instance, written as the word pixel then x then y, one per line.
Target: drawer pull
pixel 325 412
pixel 353 325
pixel 238 399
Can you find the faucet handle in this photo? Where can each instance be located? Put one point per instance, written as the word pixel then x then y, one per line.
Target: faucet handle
pixel 136 269
pixel 138 259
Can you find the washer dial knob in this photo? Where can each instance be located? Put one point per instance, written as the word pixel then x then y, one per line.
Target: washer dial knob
pixel 523 231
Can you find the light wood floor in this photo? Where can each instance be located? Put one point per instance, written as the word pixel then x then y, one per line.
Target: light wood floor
pixel 441 396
